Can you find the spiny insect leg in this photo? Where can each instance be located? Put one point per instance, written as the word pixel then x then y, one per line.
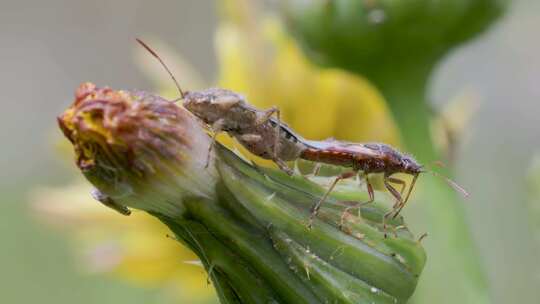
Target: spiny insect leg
pixel 397 204
pixel 317 206
pixel 394 193
pixel 396 229
pixel 399 182
pixel 316 169
pixel 283 166
pixel 370 192
pixel 359 205
pixel 385 219
pixel 314 172
pixel 266 116
pixel 278 132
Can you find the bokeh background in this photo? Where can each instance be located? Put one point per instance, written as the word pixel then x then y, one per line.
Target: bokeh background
pixel 49 47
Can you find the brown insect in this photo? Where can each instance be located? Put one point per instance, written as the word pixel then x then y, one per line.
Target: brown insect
pixel 256 130
pixel 269 138
pixel 365 159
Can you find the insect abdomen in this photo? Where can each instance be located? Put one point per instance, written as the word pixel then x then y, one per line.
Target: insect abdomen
pixel 336 158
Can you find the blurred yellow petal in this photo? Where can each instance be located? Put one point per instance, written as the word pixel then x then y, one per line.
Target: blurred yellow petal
pixel 270 70
pixel 451 123
pixel 316 102
pixel 135 248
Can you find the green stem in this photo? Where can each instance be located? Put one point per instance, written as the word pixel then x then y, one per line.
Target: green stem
pixel 454 263
pixel 248 242
pixel 233 278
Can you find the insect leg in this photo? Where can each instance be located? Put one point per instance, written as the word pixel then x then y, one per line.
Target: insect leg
pixel 407 197
pixel 396 229
pixel 317 206
pixel 266 115
pixel 109 202
pixel 385 219
pixel 264 118
pixel 255 139
pixel 216 129
pixel 397 204
pixel 370 192
pixel 359 205
pixel 398 181
pixel 393 191
pixel 283 166
pixel 314 172
pixel 316 169
pixel 278 133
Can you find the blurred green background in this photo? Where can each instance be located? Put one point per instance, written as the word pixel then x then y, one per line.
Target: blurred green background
pixel 48 48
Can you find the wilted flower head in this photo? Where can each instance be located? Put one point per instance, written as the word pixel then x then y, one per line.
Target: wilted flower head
pixel 139 149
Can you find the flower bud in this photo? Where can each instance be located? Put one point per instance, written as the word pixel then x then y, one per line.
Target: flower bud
pixel 138 149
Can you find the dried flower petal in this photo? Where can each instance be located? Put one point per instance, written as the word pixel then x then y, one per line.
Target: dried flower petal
pixel 139 149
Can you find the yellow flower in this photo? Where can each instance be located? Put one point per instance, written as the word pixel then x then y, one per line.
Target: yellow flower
pixel 450 125
pixel 318 103
pixel 259 60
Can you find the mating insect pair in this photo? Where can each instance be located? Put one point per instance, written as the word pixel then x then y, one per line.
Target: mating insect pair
pixel 267 137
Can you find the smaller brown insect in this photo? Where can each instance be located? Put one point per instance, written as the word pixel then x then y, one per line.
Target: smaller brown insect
pixel 226 111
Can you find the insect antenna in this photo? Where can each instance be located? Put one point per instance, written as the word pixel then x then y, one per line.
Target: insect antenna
pixel 162 64
pixel 438 163
pixel 450 182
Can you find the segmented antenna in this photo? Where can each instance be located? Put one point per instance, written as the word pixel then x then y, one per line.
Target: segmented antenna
pixel 438 163
pixel 162 64
pixel 452 183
